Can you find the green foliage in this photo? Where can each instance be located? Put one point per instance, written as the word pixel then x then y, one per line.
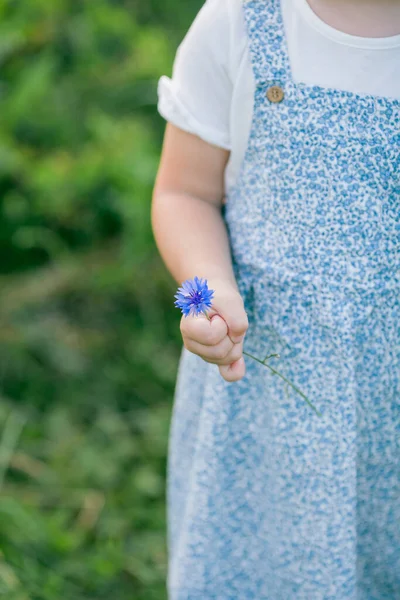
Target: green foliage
pixel 89 336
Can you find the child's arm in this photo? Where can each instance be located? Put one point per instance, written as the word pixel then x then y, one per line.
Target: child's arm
pixel 186 211
pixel 192 239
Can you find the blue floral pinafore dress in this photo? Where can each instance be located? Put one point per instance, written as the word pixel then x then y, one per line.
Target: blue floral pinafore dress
pixel 266 500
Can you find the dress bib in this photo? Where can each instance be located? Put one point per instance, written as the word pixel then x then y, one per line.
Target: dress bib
pixel 266 500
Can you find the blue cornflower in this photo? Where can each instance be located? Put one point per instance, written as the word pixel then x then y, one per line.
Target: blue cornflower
pixel 194 297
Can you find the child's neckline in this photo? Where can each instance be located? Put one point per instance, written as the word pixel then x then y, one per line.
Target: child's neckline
pixel 270 55
pixel 340 37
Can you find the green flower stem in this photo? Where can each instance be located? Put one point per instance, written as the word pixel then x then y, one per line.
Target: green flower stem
pixel 275 372
pixel 271 356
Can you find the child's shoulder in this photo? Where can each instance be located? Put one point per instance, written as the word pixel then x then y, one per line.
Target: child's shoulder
pixel 205 73
pixel 218 23
pixel 227 6
pixel 221 12
pixel 218 30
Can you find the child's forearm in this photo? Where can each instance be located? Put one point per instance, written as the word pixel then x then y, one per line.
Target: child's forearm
pixel 191 237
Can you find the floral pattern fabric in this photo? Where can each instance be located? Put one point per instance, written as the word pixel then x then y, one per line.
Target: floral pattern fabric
pixel 266 501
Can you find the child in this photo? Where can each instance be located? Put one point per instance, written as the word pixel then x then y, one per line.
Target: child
pixel 279 183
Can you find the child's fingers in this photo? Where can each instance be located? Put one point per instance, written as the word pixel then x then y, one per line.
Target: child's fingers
pixel 234 371
pixel 223 353
pixel 234 315
pixel 199 329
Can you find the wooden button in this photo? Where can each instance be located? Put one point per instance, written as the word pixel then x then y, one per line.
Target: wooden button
pixel 275 94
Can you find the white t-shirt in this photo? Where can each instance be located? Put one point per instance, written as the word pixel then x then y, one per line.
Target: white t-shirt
pixel 212 88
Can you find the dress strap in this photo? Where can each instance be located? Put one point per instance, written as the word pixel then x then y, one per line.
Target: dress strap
pixel 267 41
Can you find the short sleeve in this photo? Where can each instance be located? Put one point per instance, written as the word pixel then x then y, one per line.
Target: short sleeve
pixel 197 98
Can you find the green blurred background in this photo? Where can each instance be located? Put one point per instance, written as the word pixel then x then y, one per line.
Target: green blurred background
pixel 89 336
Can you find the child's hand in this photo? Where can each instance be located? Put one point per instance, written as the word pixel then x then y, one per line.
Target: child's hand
pixel 220 340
